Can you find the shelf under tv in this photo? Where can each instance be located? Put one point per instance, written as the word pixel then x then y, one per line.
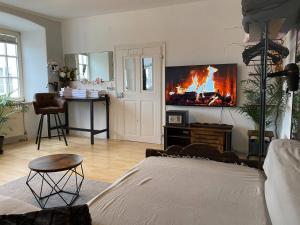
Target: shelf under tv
pixel 217 135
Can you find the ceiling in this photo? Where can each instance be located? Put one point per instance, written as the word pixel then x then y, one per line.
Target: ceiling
pixel 66 9
pixel 11 22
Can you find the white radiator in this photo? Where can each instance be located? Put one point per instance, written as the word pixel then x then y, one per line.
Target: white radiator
pixel 16 129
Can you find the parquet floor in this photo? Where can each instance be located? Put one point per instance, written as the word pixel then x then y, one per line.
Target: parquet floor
pixel 105 161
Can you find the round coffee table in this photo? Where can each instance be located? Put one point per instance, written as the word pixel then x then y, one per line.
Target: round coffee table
pixel 46 166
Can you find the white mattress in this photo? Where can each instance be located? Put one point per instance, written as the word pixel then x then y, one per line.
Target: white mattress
pixel 172 191
pixel 282 188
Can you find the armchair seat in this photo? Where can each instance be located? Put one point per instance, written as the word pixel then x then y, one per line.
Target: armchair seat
pixel 50 110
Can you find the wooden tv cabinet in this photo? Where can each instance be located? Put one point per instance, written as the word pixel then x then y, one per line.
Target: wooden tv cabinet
pixel 217 135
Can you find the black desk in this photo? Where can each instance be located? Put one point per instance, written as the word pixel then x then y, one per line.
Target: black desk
pixel 91 130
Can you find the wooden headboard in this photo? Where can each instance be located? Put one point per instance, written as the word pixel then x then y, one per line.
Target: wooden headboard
pixel 202 151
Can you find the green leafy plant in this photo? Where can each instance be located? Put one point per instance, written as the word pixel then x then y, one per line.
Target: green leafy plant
pixel 275 100
pixel 295 111
pixel 8 108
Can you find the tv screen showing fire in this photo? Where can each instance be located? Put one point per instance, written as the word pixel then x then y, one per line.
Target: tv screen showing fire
pixel 203 85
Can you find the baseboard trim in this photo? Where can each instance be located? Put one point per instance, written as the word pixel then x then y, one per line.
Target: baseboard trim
pixel 15 139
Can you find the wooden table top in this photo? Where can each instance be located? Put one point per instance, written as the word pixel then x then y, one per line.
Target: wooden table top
pixel 255 133
pixel 55 163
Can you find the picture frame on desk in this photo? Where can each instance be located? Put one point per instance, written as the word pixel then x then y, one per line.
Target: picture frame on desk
pixel 178 118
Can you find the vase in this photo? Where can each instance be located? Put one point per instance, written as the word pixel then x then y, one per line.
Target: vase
pixel 65 84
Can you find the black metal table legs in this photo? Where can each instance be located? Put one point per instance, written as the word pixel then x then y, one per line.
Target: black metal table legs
pixel 92 122
pixel 67 119
pixel 107 117
pixel 57 187
pixel 91 130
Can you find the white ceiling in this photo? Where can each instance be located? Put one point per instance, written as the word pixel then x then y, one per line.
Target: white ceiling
pixel 66 9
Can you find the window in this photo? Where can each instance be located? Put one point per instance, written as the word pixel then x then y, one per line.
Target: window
pixel 129 74
pixel 83 66
pixel 10 76
pixel 147 67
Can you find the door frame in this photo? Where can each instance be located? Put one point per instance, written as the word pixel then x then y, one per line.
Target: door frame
pixel 162 45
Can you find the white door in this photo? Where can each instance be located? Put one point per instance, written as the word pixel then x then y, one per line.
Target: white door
pixel 138 77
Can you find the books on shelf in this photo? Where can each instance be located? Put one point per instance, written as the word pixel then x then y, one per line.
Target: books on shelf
pixel 81 93
pixel 93 94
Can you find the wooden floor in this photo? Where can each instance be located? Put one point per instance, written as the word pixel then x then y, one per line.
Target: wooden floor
pixel 105 161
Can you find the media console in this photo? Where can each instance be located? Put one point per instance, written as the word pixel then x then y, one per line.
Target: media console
pixel 216 135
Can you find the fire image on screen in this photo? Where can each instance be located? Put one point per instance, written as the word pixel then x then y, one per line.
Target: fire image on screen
pixel 204 85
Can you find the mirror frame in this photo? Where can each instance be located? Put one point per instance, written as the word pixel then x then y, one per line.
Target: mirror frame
pixel 112 59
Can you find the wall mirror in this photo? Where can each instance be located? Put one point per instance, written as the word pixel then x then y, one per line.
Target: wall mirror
pixel 91 66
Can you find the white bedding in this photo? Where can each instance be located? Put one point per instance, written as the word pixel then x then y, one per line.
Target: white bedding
pixel 282 188
pixel 13 206
pixel 180 191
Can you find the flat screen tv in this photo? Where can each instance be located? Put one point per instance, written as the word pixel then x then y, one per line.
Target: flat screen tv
pixel 202 85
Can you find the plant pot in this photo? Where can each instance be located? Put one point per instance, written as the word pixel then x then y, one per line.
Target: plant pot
pixel 254 147
pixel 1 144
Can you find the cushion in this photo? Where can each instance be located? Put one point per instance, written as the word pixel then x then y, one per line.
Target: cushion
pixel 282 168
pixel 76 215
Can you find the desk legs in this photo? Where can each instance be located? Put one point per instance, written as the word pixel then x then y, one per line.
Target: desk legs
pixel 92 129
pixel 107 117
pixel 92 121
pixel 67 119
pixel 49 126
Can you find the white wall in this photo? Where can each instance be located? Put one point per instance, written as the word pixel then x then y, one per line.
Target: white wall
pixel 206 32
pixel 44 47
pixel 53 30
pixel 286 121
pixel 34 59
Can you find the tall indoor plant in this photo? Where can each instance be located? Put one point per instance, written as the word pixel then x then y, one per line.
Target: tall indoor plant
pixel 8 107
pixel 275 100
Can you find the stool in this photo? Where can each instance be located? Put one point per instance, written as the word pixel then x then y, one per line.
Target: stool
pixel 47 104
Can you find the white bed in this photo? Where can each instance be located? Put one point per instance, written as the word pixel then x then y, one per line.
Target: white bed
pixel 185 191
pixel 177 191
pixel 282 168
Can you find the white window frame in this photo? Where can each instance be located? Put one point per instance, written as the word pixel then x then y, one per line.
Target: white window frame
pixel 19 61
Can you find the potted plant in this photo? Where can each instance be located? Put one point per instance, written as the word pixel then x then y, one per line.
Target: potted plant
pixel 8 107
pixel 275 102
pixel 66 74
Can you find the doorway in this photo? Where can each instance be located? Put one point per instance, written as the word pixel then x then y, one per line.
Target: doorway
pixel 139 72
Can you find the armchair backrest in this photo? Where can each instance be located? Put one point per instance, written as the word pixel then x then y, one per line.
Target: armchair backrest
pixel 46 99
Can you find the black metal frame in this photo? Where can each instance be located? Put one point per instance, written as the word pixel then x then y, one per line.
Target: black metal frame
pixel 92 131
pixel 263 86
pixel 55 189
pixel 58 127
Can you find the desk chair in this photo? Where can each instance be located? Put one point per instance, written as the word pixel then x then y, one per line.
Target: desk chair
pixel 47 104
